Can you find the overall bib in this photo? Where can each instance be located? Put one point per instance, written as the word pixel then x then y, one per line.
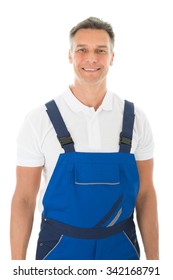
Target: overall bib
pixel 90 199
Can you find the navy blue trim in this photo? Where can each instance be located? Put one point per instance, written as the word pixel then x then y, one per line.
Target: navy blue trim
pixel 111 212
pixel 127 130
pixel 66 140
pixel 59 228
pixel 58 123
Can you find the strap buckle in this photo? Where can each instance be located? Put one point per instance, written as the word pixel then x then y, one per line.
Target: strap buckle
pixel 125 140
pixel 65 140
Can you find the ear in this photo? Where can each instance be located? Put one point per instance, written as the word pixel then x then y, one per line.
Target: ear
pixel 70 57
pixel 112 59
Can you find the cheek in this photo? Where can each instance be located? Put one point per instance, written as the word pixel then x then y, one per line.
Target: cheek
pixel 107 60
pixel 76 59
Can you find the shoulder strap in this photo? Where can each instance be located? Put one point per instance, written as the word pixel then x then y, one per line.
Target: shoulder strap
pixel 127 130
pixel 63 134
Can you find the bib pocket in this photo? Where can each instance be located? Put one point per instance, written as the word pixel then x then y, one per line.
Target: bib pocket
pixel 96 173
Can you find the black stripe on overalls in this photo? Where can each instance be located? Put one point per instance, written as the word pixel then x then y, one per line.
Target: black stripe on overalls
pixel 68 145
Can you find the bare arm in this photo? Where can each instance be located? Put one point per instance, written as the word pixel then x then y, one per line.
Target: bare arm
pixel 22 209
pixel 146 208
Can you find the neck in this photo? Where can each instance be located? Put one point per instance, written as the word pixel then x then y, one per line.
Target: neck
pixel 91 96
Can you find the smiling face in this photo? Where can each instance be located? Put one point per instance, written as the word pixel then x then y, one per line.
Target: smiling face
pixel 91 55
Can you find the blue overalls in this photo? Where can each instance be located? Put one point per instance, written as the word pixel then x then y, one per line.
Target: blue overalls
pixel 90 199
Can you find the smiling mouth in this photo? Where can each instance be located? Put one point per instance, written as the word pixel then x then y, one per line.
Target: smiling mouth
pixel 91 69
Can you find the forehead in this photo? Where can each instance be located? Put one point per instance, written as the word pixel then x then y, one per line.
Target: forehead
pixel 91 36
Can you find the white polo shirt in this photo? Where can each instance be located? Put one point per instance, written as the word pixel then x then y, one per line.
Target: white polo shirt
pixel 92 131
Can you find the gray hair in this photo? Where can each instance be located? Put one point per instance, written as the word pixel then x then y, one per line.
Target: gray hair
pixel 94 23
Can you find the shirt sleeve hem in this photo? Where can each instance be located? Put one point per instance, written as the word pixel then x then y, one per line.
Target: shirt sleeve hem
pixel 143 157
pixel 29 163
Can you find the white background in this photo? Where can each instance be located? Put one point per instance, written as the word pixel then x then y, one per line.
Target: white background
pixel 34 68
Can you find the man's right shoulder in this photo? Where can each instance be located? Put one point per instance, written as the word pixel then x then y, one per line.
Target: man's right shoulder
pixel 40 111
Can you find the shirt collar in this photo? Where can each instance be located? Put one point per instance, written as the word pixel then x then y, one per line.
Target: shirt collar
pixel 77 106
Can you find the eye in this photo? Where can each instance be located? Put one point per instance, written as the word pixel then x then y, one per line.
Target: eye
pixel 81 50
pixel 101 51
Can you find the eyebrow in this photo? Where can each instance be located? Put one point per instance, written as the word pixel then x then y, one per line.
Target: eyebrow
pixel 85 45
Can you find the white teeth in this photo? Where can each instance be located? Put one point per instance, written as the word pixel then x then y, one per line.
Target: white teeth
pixel 91 69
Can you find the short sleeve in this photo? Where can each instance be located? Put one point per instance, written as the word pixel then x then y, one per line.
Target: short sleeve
pixel 145 143
pixel 29 152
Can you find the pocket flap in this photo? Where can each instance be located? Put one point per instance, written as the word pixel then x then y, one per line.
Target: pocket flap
pixel 96 173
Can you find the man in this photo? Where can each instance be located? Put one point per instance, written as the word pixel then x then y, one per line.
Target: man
pixel 91 170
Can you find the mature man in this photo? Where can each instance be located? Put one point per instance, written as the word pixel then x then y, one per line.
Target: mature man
pixel 96 154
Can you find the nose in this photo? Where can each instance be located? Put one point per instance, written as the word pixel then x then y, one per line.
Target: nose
pixel 91 57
